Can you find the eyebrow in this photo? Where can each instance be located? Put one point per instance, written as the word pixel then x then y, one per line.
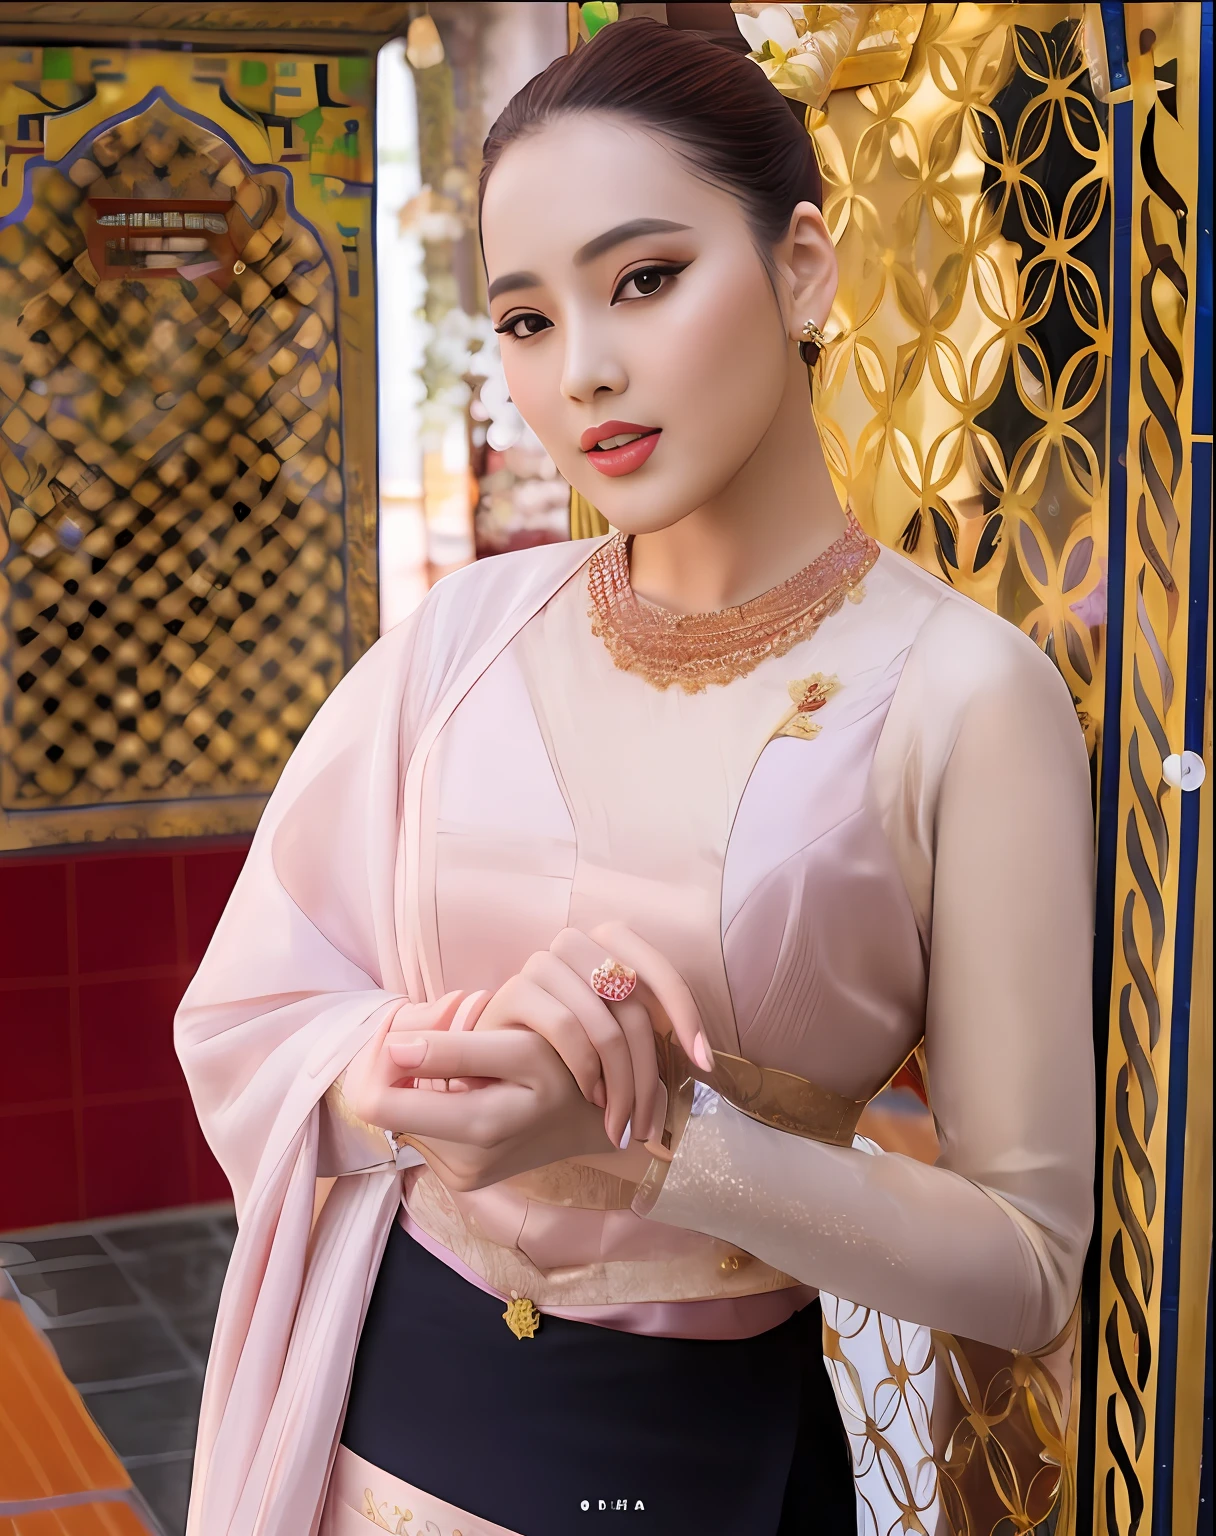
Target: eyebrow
pixel 633 230
pixel 621 233
pixel 510 281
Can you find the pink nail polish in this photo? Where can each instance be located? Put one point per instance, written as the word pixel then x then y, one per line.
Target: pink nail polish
pixel 408 1053
pixel 700 1053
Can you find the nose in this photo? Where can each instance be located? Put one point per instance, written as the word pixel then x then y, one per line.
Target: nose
pixel 591 367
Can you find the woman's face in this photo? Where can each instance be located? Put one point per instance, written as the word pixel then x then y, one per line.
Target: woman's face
pixel 630 299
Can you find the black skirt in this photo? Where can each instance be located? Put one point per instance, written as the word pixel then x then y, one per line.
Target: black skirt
pixel 552 1435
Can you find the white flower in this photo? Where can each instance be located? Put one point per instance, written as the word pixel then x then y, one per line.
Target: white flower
pixel 771 24
pixel 800 48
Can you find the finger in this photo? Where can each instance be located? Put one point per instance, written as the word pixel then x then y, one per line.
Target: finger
pixel 444 1084
pixel 525 1002
pixel 483 1119
pixel 630 1042
pixel 437 1014
pixel 508 1055
pixel 369 1071
pixel 669 987
pixel 638 1030
pixel 587 1017
pixel 581 954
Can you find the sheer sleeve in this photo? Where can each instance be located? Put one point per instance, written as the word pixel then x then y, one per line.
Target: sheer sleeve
pixel 989 1243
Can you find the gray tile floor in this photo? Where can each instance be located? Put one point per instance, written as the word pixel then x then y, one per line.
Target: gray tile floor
pixel 129 1306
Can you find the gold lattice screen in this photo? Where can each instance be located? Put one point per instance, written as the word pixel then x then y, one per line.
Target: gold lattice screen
pixel 189 563
pixel 963 410
pixel 176 582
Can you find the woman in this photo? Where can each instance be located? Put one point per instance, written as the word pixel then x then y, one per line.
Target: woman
pixel 735 784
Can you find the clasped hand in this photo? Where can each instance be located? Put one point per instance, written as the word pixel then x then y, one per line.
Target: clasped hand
pixel 550 1071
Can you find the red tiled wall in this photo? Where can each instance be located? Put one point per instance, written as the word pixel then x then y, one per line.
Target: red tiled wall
pixel 96 949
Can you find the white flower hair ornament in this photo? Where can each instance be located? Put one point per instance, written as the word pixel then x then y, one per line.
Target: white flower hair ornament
pixel 797 51
pixel 806 51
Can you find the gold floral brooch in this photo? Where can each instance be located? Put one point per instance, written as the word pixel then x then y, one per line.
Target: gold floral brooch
pixel 809 695
pixel 521 1317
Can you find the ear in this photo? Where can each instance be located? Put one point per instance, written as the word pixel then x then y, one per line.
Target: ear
pixel 806 259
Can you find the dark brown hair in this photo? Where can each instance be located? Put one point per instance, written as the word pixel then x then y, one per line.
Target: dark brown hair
pixel 711 102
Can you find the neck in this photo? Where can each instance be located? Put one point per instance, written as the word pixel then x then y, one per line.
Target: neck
pixel 777 514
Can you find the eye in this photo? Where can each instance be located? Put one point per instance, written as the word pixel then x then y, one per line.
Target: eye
pixel 646 281
pixel 523 326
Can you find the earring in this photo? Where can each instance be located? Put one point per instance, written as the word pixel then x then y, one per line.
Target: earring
pixel 812 343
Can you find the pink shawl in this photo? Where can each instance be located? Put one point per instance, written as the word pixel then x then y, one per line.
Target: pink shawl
pixel 321 938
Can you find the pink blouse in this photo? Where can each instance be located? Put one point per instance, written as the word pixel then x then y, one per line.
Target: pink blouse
pixel 947 793
pixel 790 880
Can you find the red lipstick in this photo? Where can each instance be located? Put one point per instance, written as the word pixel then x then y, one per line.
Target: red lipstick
pixel 624 458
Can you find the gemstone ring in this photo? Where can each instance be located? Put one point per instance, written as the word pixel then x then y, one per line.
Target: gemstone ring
pixel 613 981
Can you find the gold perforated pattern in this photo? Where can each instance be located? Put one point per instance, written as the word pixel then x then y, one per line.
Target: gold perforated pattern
pixel 173 485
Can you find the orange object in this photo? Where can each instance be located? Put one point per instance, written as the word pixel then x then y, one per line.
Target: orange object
pixel 52 1455
pixel 96 1519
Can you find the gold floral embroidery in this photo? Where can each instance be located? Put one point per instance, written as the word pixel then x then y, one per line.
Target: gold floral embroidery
pixel 809 695
pixel 379 1516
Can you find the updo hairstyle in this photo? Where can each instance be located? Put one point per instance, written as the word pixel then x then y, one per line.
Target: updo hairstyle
pixel 709 100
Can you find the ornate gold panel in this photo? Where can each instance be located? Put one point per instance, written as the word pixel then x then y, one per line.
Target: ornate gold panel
pixel 1154 893
pixel 184 459
pixel 962 406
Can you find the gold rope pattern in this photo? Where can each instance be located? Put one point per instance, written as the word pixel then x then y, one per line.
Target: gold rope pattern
pixel 1163 65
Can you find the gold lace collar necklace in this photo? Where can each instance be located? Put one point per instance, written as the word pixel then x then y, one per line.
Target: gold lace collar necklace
pixel 696 650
